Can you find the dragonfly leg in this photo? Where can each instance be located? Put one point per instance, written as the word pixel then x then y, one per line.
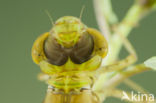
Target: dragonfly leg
pixel 130 59
pixel 134 86
pixel 119 65
pixel 115 67
pixel 123 75
pixel 111 83
pixel 43 77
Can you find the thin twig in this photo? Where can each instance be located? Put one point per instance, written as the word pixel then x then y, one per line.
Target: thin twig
pixel 124 28
pixel 103 25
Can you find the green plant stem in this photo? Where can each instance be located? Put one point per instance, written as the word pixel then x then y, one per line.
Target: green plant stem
pixel 129 22
pixel 108 12
pixel 115 44
pixel 104 13
pixel 103 8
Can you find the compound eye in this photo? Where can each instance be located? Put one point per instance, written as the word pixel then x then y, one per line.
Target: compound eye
pixel 60 60
pixel 37 49
pixel 83 50
pixel 54 53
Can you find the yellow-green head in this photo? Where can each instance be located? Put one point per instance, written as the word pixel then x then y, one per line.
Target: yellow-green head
pixel 67 30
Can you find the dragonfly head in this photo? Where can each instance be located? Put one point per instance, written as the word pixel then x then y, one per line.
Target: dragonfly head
pixel 68 30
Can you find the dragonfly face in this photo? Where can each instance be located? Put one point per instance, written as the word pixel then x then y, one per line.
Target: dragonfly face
pixel 68 30
pixel 69 54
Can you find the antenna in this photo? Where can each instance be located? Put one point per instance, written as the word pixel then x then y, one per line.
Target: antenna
pixel 81 13
pixel 51 19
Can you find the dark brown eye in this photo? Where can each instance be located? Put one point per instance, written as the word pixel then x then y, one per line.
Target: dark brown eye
pixel 54 53
pixel 80 53
pixel 57 58
pixel 83 50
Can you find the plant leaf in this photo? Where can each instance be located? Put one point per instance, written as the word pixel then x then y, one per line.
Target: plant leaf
pixel 151 63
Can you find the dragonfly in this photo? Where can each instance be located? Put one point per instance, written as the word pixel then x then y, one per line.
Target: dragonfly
pixel 71 55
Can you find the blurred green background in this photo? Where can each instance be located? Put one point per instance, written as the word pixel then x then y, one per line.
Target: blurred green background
pixel 22 21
